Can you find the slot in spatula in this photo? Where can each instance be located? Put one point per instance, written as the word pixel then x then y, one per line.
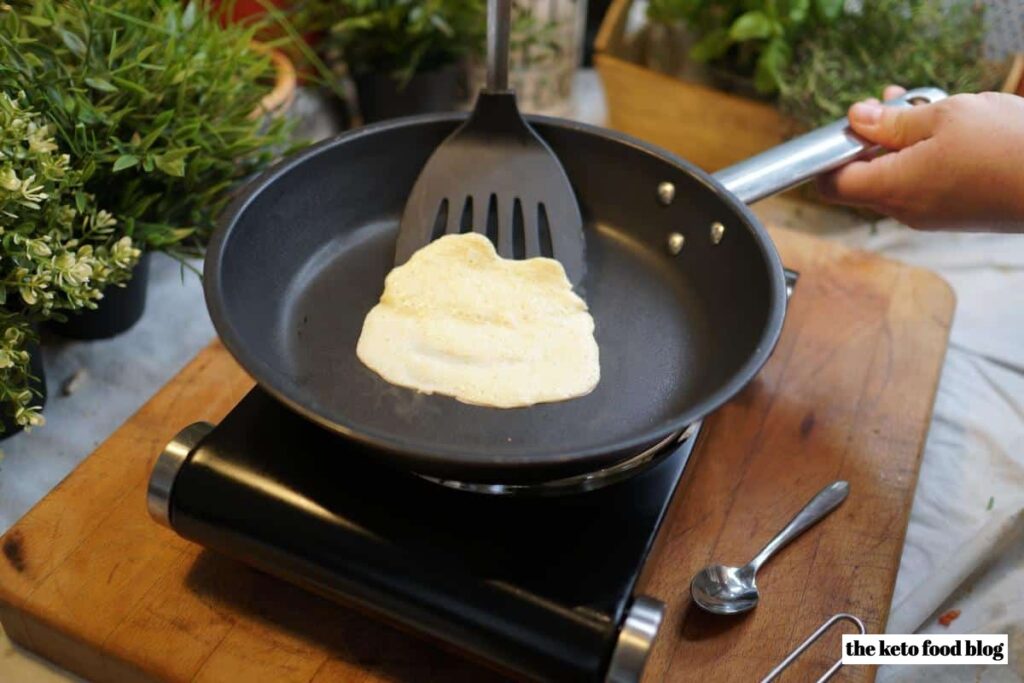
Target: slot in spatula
pixel 495 176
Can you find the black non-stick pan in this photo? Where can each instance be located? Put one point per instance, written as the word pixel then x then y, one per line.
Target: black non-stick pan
pixel 688 295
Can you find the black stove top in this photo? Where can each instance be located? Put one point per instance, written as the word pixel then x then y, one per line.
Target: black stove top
pixel 541 586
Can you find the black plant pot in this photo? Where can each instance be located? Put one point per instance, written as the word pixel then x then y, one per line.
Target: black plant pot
pixel 119 309
pixel 35 363
pixel 381 97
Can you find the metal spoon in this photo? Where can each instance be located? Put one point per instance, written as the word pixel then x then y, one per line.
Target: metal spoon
pixel 731 590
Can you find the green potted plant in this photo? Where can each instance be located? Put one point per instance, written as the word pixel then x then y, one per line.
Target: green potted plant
pixel 157 104
pixel 749 43
pixel 58 251
pixel 887 41
pixel 720 80
pixel 404 55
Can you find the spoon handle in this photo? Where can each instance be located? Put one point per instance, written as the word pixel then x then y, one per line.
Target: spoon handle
pixel 827 500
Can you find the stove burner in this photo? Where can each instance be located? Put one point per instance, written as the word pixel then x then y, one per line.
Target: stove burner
pixel 540 585
pixel 588 481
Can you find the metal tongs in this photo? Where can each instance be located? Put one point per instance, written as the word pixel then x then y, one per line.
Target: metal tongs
pixel 792 656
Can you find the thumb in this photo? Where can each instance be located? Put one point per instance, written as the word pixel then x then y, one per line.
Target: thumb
pixel 893 127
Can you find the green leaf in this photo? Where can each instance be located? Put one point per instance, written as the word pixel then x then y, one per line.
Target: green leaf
pixel 151 137
pixel 129 85
pixel 751 26
pixel 100 84
pixel 711 46
pixel 141 55
pixel 72 41
pixel 773 60
pixel 42 22
pixel 829 9
pixel 171 22
pixel 125 161
pixel 798 11
pixel 86 114
pixel 163 118
pixel 171 164
pixel 80 201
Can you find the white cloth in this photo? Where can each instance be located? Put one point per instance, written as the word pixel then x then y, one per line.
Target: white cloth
pixel 974 455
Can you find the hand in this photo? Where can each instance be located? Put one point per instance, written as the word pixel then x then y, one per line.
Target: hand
pixel 956 164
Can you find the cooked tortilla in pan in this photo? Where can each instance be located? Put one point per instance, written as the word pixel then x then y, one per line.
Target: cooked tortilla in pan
pixel 459 320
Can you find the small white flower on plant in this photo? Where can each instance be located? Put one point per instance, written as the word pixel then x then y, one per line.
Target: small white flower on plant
pixel 29 417
pixel 123 253
pixel 40 139
pixel 105 219
pixel 9 179
pixel 39 248
pixel 80 273
pixel 31 194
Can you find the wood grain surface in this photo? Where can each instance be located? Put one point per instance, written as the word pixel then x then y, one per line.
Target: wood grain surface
pixel 89 581
pixel 705 125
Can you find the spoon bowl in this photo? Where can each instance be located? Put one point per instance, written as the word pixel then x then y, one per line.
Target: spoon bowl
pixel 725 590
pixel 721 589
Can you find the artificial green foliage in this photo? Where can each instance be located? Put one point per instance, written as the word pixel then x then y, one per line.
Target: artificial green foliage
pixel 17 398
pixel 402 37
pixel 58 250
pixel 533 40
pixel 156 103
pixel 751 37
pixel 909 42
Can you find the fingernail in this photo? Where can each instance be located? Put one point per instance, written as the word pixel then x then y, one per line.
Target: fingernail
pixel 867 113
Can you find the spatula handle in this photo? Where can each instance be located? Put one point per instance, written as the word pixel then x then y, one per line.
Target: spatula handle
pixel 499 26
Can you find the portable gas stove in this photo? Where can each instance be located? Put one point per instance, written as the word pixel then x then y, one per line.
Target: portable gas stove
pixel 539 585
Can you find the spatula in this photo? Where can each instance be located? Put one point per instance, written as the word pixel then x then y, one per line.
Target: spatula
pixel 495 176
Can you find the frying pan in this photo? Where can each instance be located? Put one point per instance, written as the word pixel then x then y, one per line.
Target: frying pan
pixel 684 284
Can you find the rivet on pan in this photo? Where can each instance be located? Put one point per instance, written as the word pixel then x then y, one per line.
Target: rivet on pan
pixel 717 232
pixel 666 193
pixel 675 243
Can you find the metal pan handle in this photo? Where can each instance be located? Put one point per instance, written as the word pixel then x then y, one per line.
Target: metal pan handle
pixel 802 158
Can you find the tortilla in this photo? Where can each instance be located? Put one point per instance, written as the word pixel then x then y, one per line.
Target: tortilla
pixel 459 320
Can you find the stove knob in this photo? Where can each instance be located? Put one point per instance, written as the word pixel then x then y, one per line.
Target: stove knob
pixel 167 466
pixel 635 640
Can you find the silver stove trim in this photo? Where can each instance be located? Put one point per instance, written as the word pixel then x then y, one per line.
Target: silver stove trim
pixel 635 641
pixel 167 466
pixel 588 481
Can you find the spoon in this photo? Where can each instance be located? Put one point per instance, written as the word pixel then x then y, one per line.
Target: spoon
pixel 731 590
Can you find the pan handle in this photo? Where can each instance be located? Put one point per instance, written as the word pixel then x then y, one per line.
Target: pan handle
pixel 802 158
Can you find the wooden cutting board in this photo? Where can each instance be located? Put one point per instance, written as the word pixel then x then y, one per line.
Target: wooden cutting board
pixel 87 580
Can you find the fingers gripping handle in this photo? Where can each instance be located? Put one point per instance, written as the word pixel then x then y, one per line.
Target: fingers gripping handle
pixel 802 158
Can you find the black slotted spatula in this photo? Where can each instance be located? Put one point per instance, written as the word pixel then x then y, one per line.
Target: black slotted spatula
pixel 494 175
